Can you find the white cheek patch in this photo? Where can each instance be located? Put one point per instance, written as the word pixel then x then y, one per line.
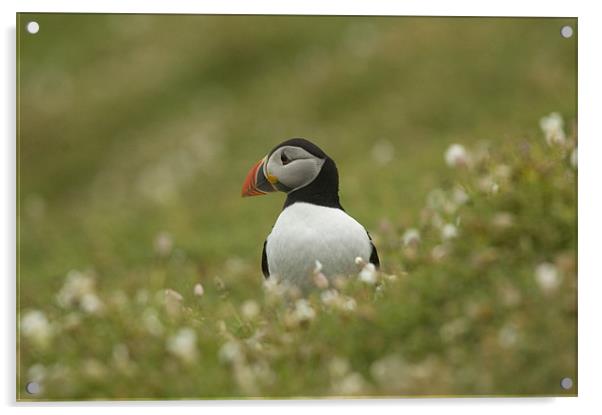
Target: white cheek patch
pixel 303 168
pixel 300 173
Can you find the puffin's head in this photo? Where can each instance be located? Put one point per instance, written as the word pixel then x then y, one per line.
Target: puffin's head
pixel 291 165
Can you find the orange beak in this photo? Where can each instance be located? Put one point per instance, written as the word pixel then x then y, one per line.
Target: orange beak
pixel 256 183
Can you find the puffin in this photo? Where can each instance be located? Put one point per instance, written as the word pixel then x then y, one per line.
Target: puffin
pixel 313 233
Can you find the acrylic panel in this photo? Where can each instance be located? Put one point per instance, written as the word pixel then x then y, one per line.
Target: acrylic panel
pixel 143 273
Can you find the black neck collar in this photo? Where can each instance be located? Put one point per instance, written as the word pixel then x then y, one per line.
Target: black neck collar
pixel 323 191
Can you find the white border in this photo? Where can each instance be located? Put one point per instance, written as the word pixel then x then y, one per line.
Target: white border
pixel 590 206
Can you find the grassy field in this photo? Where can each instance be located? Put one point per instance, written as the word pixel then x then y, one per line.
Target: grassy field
pixel 136 132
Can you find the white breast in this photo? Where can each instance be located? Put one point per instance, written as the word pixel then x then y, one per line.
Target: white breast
pixel 304 233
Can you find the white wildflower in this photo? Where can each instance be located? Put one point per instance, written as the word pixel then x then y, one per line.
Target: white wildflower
pixel 488 185
pixel 77 284
pixel 383 152
pixel 439 252
pixel 457 156
pixel 553 128
pixel 231 352
pixel 183 345
pixel 249 309
pixel 360 261
pixel 502 220
pixel 303 310
pixel 547 277
pixel 391 277
pixel 318 278
pixel 349 304
pixel 329 297
pixel 163 244
pixel 151 322
pixel 389 371
pixel 351 384
pixel 173 301
pixel 274 289
pixel 411 237
pixel 35 326
pixel 198 290
pixel 368 273
pixel 90 303
pixel 449 231
pixel 459 195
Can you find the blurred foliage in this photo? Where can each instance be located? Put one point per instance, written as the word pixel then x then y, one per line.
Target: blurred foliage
pixel 136 131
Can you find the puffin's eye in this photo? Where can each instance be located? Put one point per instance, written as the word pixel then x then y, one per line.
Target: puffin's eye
pixel 284 159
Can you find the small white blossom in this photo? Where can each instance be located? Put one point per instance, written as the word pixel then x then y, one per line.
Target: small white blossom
pixel 553 128
pixel 77 285
pixel 459 195
pixel 411 237
pixel 318 278
pixel 90 303
pixel 198 290
pixel 449 231
pixel 35 326
pixel 231 352
pixel 439 252
pixel 368 273
pixel 349 304
pixel 303 310
pixel 151 322
pixel 389 371
pixel 502 220
pixel 488 185
pixel 351 384
pixel 547 277
pixel 329 297
pixel 183 345
pixel 457 156
pixel 249 309
pixel 173 301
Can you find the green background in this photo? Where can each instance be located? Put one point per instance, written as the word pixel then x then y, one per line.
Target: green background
pixel 130 126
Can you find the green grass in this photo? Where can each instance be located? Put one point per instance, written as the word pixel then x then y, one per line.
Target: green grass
pixel 135 126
